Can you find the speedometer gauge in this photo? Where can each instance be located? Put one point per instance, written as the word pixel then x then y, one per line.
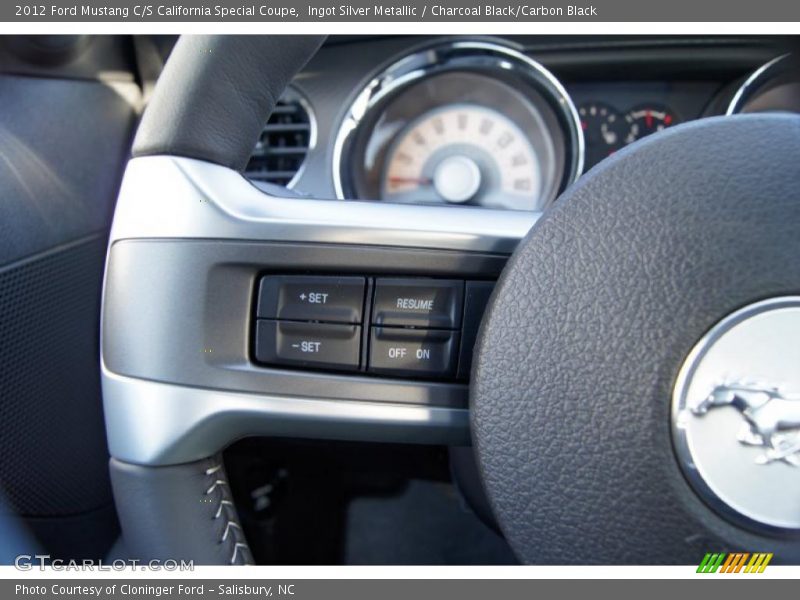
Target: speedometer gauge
pixel 460 123
pixel 463 154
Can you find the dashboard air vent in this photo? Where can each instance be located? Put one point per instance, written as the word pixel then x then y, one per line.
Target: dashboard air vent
pixel 284 143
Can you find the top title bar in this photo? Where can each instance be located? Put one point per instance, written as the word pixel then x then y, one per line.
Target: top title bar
pixel 133 11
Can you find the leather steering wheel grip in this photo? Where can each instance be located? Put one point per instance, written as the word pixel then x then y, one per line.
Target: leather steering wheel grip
pixel 216 92
pixel 181 512
pixel 210 103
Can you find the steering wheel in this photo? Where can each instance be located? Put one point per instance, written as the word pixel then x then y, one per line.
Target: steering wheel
pixel 598 434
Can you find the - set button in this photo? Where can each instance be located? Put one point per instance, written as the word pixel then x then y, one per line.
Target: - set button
pixel 304 298
pixel 395 351
pixel 418 303
pixel 314 345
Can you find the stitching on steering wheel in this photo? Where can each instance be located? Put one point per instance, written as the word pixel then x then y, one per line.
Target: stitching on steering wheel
pixel 232 530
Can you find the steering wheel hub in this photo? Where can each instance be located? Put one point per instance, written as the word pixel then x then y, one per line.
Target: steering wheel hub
pixel 736 415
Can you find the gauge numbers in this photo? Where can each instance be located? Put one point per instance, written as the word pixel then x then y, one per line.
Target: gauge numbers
pixel 645 120
pixel 463 154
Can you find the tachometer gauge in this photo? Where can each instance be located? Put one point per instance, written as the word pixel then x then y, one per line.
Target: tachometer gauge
pixel 604 130
pixel 463 154
pixel 644 120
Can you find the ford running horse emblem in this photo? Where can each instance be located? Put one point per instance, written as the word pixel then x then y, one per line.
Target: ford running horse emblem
pixel 772 419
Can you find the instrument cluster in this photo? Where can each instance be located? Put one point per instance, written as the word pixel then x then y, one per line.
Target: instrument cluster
pixel 477 123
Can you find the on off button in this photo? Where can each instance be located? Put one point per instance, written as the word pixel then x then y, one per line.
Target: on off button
pixel 415 352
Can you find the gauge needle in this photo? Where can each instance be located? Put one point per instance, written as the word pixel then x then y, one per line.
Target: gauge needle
pixel 417 180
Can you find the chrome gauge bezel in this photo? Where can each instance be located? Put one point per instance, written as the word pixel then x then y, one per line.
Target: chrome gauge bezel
pixel 757 81
pixel 440 58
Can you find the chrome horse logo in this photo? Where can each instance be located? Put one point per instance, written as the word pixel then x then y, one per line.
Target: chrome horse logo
pixel 772 419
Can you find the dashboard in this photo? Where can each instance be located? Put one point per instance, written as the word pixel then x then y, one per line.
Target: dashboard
pixel 502 123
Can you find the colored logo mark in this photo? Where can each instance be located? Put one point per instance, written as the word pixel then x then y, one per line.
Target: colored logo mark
pixel 736 562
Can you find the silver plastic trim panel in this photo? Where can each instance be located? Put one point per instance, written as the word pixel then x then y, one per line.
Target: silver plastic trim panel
pixel 172 197
pixel 158 423
pixel 155 423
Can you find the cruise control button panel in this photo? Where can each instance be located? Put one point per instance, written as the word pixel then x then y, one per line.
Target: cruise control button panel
pixel 315 345
pixel 433 303
pixel 403 327
pixel 413 352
